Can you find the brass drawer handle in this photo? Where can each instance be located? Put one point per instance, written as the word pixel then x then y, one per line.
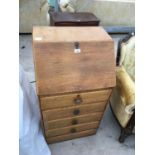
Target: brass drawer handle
pixel 76 112
pixel 72 130
pixel 78 99
pixel 74 121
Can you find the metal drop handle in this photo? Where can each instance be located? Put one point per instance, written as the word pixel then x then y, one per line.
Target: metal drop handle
pixel 76 112
pixel 78 100
pixel 72 130
pixel 74 121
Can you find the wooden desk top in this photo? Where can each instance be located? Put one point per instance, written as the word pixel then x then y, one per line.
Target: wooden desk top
pixel 61 69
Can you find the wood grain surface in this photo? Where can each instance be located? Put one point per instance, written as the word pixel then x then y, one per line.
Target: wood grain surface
pixel 75 74
pixel 69 111
pixel 51 102
pixel 60 70
pixel 70 129
pixel 70 34
pixel 71 136
pixel 73 19
pixel 63 122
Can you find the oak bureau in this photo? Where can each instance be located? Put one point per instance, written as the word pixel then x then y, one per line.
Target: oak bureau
pixel 75 74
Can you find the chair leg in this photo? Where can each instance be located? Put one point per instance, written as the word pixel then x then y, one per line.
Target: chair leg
pixel 125 132
pixel 123 135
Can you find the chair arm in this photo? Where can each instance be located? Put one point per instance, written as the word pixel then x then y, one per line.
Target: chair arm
pixel 127 89
pixel 66 7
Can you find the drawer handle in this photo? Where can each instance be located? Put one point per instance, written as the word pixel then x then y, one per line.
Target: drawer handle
pixel 78 99
pixel 72 130
pixel 76 112
pixel 74 121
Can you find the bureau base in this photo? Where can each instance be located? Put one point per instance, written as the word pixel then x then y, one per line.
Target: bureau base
pixel 71 136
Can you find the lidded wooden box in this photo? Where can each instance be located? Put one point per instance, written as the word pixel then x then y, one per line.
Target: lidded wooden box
pixel 75 74
pixel 73 19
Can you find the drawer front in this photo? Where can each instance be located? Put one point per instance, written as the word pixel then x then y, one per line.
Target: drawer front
pixel 73 111
pixel 72 121
pixel 71 129
pixel 71 136
pixel 51 102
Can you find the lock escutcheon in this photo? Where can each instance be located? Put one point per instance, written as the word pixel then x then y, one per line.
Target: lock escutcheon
pixel 77 47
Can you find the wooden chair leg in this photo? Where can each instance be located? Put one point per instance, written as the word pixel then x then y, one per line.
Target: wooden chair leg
pixel 123 135
pixel 125 132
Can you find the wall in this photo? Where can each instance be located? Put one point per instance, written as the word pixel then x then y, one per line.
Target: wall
pixel 110 12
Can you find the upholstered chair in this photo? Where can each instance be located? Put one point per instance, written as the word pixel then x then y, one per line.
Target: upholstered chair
pixel 122 100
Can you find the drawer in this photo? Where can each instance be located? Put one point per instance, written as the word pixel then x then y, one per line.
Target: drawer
pixel 59 123
pixel 71 136
pixel 51 102
pixel 73 111
pixel 71 129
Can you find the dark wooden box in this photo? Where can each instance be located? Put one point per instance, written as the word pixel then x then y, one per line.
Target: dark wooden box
pixel 73 19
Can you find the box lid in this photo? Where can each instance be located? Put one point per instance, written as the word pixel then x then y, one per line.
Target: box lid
pixel 77 17
pixel 72 59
